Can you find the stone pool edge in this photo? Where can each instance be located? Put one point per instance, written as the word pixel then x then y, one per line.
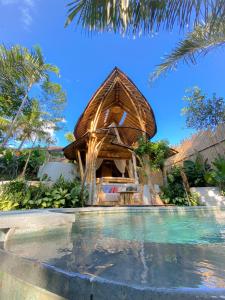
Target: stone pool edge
pixel 84 286
pixel 135 208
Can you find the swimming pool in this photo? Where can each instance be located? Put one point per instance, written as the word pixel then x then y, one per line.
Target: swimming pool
pixel 164 251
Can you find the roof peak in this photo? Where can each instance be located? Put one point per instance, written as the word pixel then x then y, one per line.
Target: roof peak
pixel 116 69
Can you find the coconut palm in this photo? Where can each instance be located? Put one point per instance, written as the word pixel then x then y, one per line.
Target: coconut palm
pixel 33 127
pixel 23 68
pixel 4 124
pixel 143 16
pixel 204 38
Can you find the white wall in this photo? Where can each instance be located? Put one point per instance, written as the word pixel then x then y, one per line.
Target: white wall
pixel 210 196
pixel 55 169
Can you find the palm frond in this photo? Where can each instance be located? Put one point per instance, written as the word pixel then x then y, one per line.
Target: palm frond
pixel 200 41
pixel 4 122
pixel 141 16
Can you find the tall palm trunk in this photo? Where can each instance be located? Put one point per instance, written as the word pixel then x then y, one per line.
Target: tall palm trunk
pixel 26 164
pixel 21 144
pixel 28 159
pixel 13 123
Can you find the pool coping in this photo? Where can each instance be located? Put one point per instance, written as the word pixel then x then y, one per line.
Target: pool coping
pixel 122 209
pixel 31 220
pixel 84 286
pixel 109 208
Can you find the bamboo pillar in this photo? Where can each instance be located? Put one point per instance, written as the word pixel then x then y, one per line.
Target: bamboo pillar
pixel 94 146
pixel 80 166
pixel 135 167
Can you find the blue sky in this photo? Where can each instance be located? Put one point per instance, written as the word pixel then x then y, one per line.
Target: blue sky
pixel 85 62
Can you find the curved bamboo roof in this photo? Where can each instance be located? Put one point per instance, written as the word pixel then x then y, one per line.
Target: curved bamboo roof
pixel 122 104
pixel 117 109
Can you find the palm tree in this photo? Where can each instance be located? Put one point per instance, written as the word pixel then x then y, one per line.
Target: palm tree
pixel 33 128
pixel 4 124
pixel 143 16
pixel 19 66
pixel 204 38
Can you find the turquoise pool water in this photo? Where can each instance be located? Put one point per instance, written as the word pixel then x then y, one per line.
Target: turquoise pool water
pixel 159 228
pixel 165 249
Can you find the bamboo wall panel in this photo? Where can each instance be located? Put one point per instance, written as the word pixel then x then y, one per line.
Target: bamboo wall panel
pixel 209 144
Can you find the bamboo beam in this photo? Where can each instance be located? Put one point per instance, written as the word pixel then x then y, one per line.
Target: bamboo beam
pixel 143 127
pixel 135 167
pixel 100 107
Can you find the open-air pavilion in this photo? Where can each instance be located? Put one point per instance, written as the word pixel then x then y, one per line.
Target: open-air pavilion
pixel 105 138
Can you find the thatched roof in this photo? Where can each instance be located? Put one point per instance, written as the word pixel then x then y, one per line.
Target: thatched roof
pixel 122 107
pixel 119 94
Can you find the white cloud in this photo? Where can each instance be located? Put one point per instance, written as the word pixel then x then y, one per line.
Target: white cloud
pixel 26 8
pixel 26 17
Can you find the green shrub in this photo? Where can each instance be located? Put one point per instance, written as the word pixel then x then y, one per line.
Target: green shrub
pixel 194 199
pixel 37 158
pixel 9 165
pixel 174 193
pixel 12 163
pixel 157 152
pixel 217 175
pixel 19 195
pixel 196 171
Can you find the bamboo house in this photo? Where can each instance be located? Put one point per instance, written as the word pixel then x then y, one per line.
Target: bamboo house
pixel 105 137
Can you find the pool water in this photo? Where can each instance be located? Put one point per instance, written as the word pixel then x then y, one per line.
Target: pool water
pixel 161 228
pixel 139 248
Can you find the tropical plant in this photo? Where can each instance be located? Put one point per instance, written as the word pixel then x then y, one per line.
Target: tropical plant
pixel 156 152
pixel 55 198
pixel 29 162
pixel 33 127
pixel 196 171
pixel 4 123
pixel 217 175
pixel 12 163
pixel 141 17
pixel 13 194
pixel 151 157
pixel 194 199
pixel 201 111
pixel 174 193
pixel 204 38
pixel 19 194
pixel 22 70
pixel 148 17
pixel 69 136
pixel 11 96
pixel 53 99
pixel 9 166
